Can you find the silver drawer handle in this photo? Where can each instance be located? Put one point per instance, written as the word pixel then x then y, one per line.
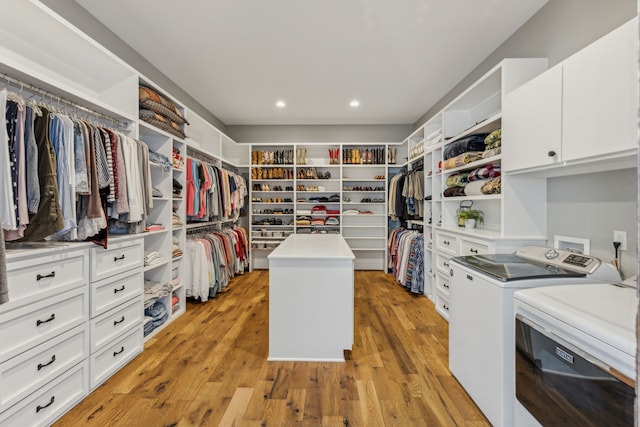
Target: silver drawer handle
pixel 46 276
pixel 44 365
pixel 115 353
pixel 40 408
pixel 118 258
pixel 40 322
pixel 117 322
pixel 115 291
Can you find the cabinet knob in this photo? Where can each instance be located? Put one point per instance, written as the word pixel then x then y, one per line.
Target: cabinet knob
pixel 551 153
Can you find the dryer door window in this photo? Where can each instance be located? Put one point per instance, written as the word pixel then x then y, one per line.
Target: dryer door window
pixel 560 385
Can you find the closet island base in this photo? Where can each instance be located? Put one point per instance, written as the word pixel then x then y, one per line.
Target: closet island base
pixel 311 299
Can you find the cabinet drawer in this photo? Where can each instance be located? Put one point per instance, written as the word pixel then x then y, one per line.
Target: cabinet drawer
pixel 109 360
pixel 42 276
pixel 447 243
pixel 442 263
pixel 442 284
pixel 120 257
pixel 108 326
pixel 34 324
pixel 50 402
pixel 472 247
pixel 110 293
pixel 442 305
pixel 30 370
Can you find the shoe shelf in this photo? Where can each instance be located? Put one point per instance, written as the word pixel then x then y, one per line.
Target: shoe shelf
pixel 354 176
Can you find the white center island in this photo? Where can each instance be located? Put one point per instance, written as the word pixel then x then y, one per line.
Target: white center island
pixel 311 298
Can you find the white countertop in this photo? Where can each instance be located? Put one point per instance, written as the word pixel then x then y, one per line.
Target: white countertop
pixel 313 246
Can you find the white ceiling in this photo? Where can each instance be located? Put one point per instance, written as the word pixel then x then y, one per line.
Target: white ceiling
pixel 237 58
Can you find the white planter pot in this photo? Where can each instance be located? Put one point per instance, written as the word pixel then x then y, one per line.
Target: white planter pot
pixel 470 223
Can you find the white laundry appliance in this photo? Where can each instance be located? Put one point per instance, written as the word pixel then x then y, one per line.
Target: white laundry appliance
pixel 575 356
pixel 481 324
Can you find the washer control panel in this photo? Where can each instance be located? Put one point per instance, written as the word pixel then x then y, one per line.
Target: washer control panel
pixel 560 258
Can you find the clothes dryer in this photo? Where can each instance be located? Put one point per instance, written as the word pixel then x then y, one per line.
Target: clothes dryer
pixel 575 355
pixel 481 325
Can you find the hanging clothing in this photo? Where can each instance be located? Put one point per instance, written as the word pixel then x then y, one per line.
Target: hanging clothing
pixel 212 259
pixel 406 258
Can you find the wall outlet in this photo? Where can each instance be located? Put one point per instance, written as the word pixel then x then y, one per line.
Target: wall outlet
pixel 620 236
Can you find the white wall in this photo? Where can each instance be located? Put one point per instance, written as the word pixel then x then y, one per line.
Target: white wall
pixel 320 133
pixel 558 30
pixel 592 206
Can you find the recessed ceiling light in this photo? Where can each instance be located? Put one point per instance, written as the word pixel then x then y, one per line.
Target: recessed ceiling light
pixel 355 103
pixel 281 104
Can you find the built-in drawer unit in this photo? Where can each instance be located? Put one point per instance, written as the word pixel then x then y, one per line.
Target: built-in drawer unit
pixel 447 243
pixel 111 358
pixel 475 247
pixel 120 257
pixel 29 371
pixel 51 401
pixel 442 305
pixel 443 284
pixel 34 324
pixel 442 263
pixel 113 291
pixel 31 278
pixel 110 325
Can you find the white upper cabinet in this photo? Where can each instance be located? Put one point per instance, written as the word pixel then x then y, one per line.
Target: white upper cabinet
pixel 579 112
pixel 599 93
pixel 533 122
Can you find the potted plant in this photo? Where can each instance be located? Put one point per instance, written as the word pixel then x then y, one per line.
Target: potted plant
pixel 471 217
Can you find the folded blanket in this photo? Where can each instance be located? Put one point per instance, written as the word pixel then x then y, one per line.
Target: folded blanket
pixel 493 140
pixel 474 188
pixel 484 172
pixel 462 159
pixel 453 192
pixel 493 186
pixel 470 143
pixel 458 179
pixel 491 152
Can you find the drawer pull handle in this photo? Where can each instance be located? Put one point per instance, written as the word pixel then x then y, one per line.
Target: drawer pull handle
pixel 117 322
pixel 44 365
pixel 115 291
pixel 473 251
pixel 470 277
pixel 445 285
pixel 551 153
pixel 46 276
pixel 115 353
pixel 446 263
pixel 446 242
pixel 40 322
pixel 40 408
pixel 118 258
pixel 445 306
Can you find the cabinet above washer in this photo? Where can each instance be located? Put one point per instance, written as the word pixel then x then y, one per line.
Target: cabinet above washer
pixel 582 112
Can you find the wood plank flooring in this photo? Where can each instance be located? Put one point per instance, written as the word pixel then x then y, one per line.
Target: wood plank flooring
pixel 209 368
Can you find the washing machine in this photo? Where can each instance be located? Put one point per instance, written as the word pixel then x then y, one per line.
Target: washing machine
pixel 481 325
pixel 575 356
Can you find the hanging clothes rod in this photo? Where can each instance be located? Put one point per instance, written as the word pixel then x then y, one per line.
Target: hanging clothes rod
pixel 200 156
pixel 53 97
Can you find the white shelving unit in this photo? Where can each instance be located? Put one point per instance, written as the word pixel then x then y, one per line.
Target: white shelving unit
pixel 511 220
pixel 277 204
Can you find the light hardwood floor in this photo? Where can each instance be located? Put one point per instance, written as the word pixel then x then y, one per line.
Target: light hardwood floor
pixel 209 368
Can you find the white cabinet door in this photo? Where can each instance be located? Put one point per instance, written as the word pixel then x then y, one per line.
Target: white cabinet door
pixel 599 96
pixel 532 122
